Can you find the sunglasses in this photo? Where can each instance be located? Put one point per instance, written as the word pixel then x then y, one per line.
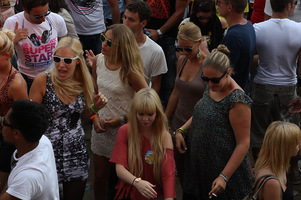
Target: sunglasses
pixel 296 2
pixel 203 18
pixel 57 59
pixel 4 123
pixel 40 16
pixel 213 80
pixel 103 38
pixel 187 49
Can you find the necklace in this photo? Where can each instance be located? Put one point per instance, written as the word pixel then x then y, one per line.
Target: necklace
pixel 7 76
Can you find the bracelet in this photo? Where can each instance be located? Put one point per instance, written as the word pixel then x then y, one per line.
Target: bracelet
pixel 134 180
pixel 224 177
pixel 92 109
pixel 93 116
pixel 182 131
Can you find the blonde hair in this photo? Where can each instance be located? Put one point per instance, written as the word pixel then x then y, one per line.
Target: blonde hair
pixel 146 101
pixel 190 32
pixel 218 59
pixel 82 82
pixel 7 42
pixel 125 47
pixel 280 141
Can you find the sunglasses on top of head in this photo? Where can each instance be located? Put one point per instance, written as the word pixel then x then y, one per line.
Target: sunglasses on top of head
pixel 103 38
pixel 58 59
pixel 213 80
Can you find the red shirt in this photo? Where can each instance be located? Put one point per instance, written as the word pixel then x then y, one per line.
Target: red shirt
pixel 120 156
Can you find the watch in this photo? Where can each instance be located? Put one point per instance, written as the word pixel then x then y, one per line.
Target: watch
pixel 159 32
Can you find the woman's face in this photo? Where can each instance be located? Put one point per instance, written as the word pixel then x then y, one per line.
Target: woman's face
pixel 146 119
pixel 204 17
pixel 106 49
pixel 216 80
pixel 189 49
pixel 296 151
pixel 65 67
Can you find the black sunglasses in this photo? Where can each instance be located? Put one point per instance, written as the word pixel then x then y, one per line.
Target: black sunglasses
pixel 213 80
pixel 203 18
pixel 58 59
pixel 296 2
pixel 40 16
pixel 103 38
pixel 4 123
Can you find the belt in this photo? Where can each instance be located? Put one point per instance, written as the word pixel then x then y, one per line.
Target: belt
pixel 279 88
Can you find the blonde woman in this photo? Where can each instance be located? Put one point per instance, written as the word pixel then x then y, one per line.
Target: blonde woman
pixel 66 92
pixel 12 87
pixel 216 161
pixel 143 152
pixel 118 71
pixel 280 143
pixel 189 87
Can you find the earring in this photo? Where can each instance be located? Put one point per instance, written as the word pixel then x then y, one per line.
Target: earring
pixel 198 55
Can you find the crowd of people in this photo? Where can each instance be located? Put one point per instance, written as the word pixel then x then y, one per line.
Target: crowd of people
pixel 165 96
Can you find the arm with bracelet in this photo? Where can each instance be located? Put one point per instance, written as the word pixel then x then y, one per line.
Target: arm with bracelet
pixel 180 135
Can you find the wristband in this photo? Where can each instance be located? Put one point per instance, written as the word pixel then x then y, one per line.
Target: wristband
pixel 224 177
pixel 159 32
pixel 182 131
pixel 92 109
pixel 93 116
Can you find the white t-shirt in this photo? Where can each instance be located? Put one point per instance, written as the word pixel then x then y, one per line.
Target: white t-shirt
pixel 154 62
pixel 278 49
pixel 87 15
pixel 34 176
pixel 35 52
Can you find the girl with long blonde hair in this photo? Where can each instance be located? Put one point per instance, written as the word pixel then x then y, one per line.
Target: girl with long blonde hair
pixel 118 72
pixel 280 143
pixel 67 92
pixel 143 151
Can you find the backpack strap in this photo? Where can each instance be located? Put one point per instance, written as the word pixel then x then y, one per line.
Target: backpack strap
pixel 266 178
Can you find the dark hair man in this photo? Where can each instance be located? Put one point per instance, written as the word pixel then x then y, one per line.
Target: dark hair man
pixel 33 174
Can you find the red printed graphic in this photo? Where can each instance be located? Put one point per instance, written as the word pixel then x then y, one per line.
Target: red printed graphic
pixel 160 8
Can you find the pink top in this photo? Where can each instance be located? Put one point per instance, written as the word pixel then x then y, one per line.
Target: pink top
pixel 120 156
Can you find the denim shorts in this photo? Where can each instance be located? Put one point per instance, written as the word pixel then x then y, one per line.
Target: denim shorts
pixel 270 104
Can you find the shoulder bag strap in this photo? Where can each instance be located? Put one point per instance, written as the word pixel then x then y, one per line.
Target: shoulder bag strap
pixel 267 177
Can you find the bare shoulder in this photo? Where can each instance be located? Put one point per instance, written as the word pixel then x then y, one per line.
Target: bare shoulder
pixel 270 188
pixel 168 141
pixel 18 88
pixel 41 77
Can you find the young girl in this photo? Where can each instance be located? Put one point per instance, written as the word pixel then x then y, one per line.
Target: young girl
pixel 66 92
pixel 143 151
pixel 280 143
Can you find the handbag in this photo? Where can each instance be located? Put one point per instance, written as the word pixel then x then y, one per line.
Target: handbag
pixel 254 195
